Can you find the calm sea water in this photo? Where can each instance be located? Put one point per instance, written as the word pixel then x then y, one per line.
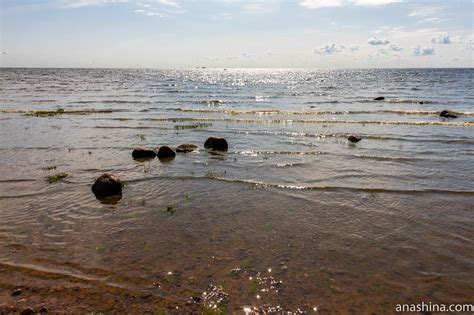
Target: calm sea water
pixel 388 218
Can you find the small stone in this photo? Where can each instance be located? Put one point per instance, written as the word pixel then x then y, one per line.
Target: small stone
pixel 218 144
pixel 28 311
pixel 187 147
pixel 16 292
pixel 380 98
pixel 354 139
pixel 141 153
pixel 107 185
pixel 447 114
pixel 43 310
pixel 165 152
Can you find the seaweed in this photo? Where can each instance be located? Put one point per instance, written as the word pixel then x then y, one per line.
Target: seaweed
pixel 192 126
pixel 57 177
pixel 60 111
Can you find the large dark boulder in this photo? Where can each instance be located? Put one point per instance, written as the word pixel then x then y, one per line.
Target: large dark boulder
pixel 187 147
pixel 107 185
pixel 218 144
pixel 165 152
pixel 447 114
pixel 380 98
pixel 354 138
pixel 141 153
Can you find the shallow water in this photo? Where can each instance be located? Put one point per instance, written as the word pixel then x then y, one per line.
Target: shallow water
pixel 292 217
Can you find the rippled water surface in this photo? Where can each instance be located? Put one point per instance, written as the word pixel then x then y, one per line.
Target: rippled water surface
pixel 292 218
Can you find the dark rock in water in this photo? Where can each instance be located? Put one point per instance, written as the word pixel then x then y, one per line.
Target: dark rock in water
pixel 447 114
pixel 354 139
pixel 16 292
pixel 380 98
pixel 165 152
pixel 421 102
pixel 28 311
pixel 141 153
pixel 107 185
pixel 187 147
pixel 218 144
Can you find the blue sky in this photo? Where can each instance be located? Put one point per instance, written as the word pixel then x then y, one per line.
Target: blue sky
pixel 236 33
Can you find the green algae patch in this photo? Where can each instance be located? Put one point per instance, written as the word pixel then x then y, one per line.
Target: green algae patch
pixel 253 287
pixel 192 126
pixel 50 113
pixel 57 112
pixel 57 177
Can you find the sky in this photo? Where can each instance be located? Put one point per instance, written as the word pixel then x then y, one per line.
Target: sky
pixel 236 33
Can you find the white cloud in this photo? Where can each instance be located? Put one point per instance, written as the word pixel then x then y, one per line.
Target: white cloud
pixel 389 29
pixel 376 41
pixel 353 48
pixel 394 47
pixel 170 3
pixel 457 39
pixel 442 38
pixel 154 13
pixel 150 12
pixel 317 4
pixel 259 7
pixel 433 20
pixel 425 11
pixel 329 49
pixel 159 8
pixel 423 51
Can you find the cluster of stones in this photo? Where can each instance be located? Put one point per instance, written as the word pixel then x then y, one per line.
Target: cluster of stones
pixel 108 185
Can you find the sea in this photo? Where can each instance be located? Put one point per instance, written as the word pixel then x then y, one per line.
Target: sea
pixel 292 219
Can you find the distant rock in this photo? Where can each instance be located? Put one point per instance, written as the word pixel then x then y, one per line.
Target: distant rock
pixel 16 292
pixel 187 147
pixel 354 139
pixel 165 152
pixel 447 114
pixel 421 102
pixel 107 185
pixel 141 153
pixel 218 144
pixel 43 310
pixel 380 98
